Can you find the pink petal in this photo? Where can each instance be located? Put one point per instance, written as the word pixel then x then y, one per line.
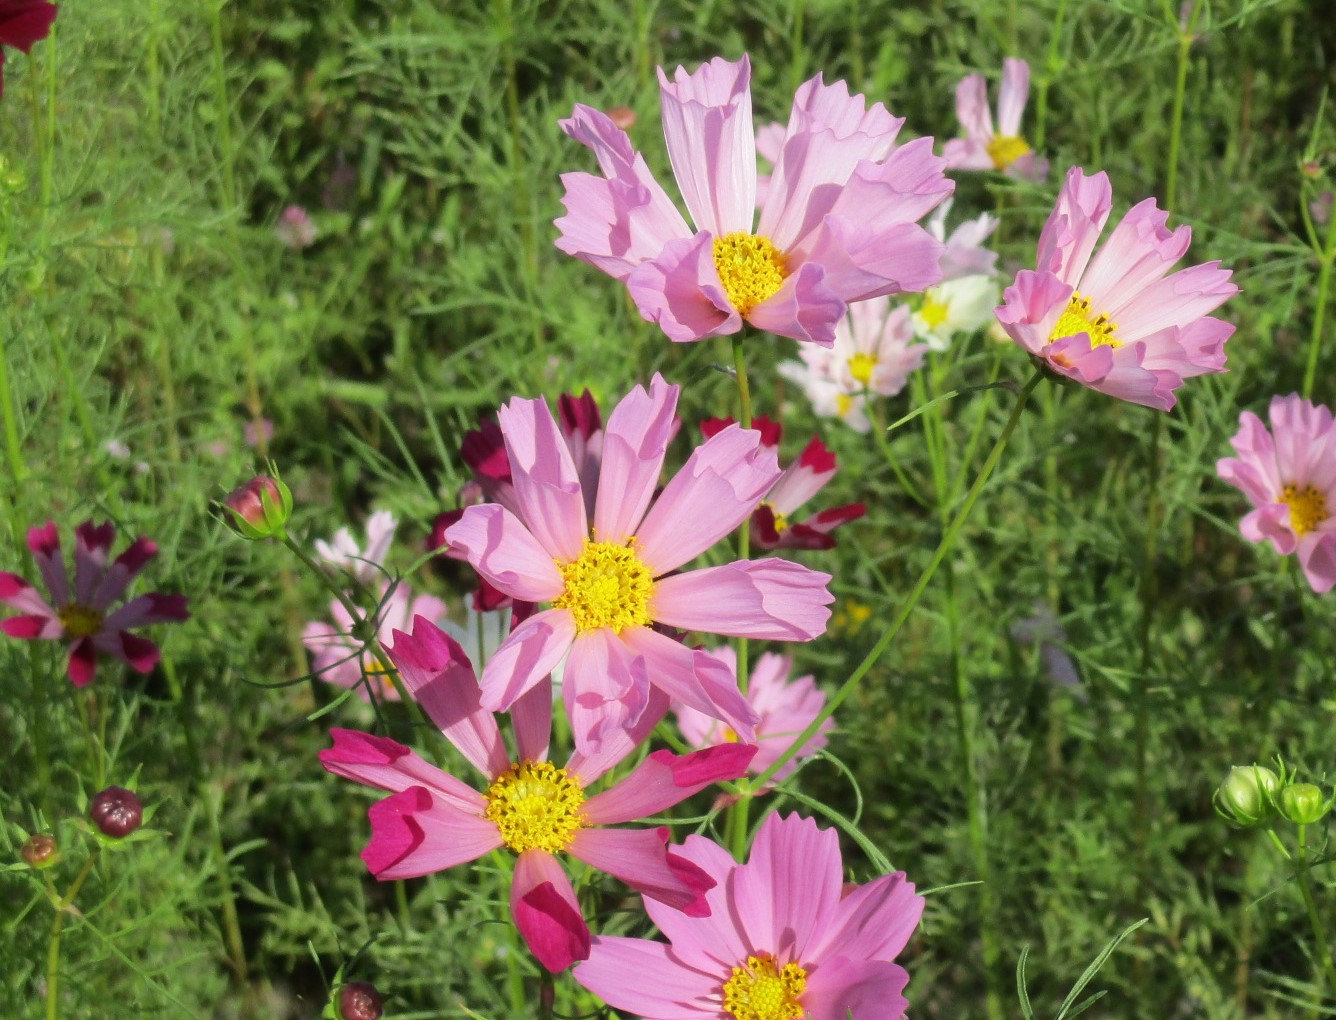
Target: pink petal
pixel 388 765
pixel 45 545
pixel 506 553
pixel 1031 308
pixel 716 490
pixel 414 833
pixel 972 108
pixel 1139 251
pixel 693 678
pixel 634 445
pixel 17 593
pixel 842 987
pixel 715 942
pixel 804 478
pixel 546 912
pixel 664 779
pixel 532 651
pixel 707 124
pixel 546 482
pixel 148 609
pixel 679 289
pixel 1177 300
pixel 605 687
pixel 139 653
pixel 967 154
pixel 125 568
pixel 617 744
pixel 531 717
pixel 1318 559
pixel 91 546
pixel 1074 226
pixel 1074 357
pixel 805 308
pixel 1011 96
pixel 873 921
pixel 648 979
pixel 82 663
pixel 640 858
pixel 771 599
pixel 26 628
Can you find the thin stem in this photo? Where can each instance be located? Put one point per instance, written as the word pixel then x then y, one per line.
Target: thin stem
pixel 946 544
pixel 736 825
pixel 1185 36
pixel 1050 65
pixel 1148 591
pixel 1326 967
pixel 57 926
pixel 1326 258
pixel 18 470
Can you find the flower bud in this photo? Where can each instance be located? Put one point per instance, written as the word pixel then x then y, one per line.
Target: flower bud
pixel 40 851
pixel 622 116
pixel 116 811
pixel 1302 803
pixel 1245 797
pixel 259 509
pixel 359 1000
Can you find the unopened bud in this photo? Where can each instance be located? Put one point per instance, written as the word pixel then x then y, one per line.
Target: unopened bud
pixel 1311 168
pixel 359 1000
pixel 259 509
pixel 1302 803
pixel 622 116
pixel 116 811
pixel 40 851
pixel 1245 797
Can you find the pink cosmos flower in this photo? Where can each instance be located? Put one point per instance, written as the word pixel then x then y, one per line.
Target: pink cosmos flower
pixel 612 577
pixel 80 614
pixel 785 938
pixel 1289 474
pixel 771 527
pixel 839 223
pixel 784 707
pixel 434 821
pixel 1116 322
pixel 366 565
pixel 984 148
pixel 23 23
pixel 965 252
pixel 341 659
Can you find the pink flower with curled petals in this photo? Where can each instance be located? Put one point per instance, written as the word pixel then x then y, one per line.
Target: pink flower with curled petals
pixel 80 613
pixel 1289 475
pixel 1118 322
pixel 784 939
pixel 434 821
pixel 784 708
pixel 838 225
pixel 613 579
pixel 22 24
pixel 772 526
pixel 340 658
pixel 1003 148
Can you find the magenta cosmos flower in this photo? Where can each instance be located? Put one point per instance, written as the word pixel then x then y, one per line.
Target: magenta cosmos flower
pixel 23 23
pixel 611 576
pixel 985 147
pixel 772 525
pixel 784 708
pixel 532 807
pixel 1289 474
pixel 1116 322
pixel 839 222
pixel 81 613
pixel 785 939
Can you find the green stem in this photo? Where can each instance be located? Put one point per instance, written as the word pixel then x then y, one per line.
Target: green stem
pixel 18 470
pixel 879 432
pixel 1326 257
pixel 57 927
pixel 737 823
pixel 943 548
pixel 1148 591
pixel 1185 36
pixel 1051 65
pixel 1300 865
pixel 223 107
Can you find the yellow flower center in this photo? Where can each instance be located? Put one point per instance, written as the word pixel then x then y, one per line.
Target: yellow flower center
pixel 79 620
pixel 933 312
pixel 607 586
pixel 1308 507
pixel 759 990
pixel 1077 319
pixel 536 806
pixel 730 735
pixel 1004 150
pixel 377 674
pixel 750 267
pixel 861 367
pixel 843 404
pixel 781 519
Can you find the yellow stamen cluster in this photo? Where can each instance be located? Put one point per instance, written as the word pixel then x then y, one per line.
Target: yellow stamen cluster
pixel 1077 319
pixel 1004 150
pixel 79 620
pixel 760 990
pixel 1308 507
pixel 750 267
pixel 933 312
pixel 781 519
pixel 377 674
pixel 861 367
pixel 537 806
pixel 607 586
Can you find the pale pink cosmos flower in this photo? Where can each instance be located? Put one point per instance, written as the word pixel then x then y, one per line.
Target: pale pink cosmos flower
pixel 613 577
pixel 80 613
pixel 345 553
pixel 785 938
pixel 1116 322
pixel 341 659
pixel 772 526
pixel 839 223
pixel 534 808
pixel 784 708
pixel 965 253
pixel 1289 474
pixel 985 147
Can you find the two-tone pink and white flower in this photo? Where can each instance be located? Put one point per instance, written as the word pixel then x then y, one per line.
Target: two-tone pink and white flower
pixel 1118 322
pixel 1289 474
pixel 784 938
pixel 340 658
pixel 80 610
pixel 772 526
pixel 839 223
pixel 434 821
pixel 784 708
pixel 1002 148
pixel 346 553
pixel 613 578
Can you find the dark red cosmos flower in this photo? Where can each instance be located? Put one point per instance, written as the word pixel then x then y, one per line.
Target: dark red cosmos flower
pixel 22 23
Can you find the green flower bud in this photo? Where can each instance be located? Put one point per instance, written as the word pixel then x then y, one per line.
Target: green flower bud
pixel 259 509
pixel 1246 796
pixel 40 851
pixel 1302 803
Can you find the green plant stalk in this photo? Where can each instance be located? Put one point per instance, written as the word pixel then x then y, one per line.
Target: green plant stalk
pixel 18 470
pixel 947 542
pixel 879 432
pixel 1326 967
pixel 1185 35
pixel 1050 65
pixel 736 826
pixel 224 109
pixel 62 906
pixel 1326 259
pixel 1148 591
pixel 236 947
